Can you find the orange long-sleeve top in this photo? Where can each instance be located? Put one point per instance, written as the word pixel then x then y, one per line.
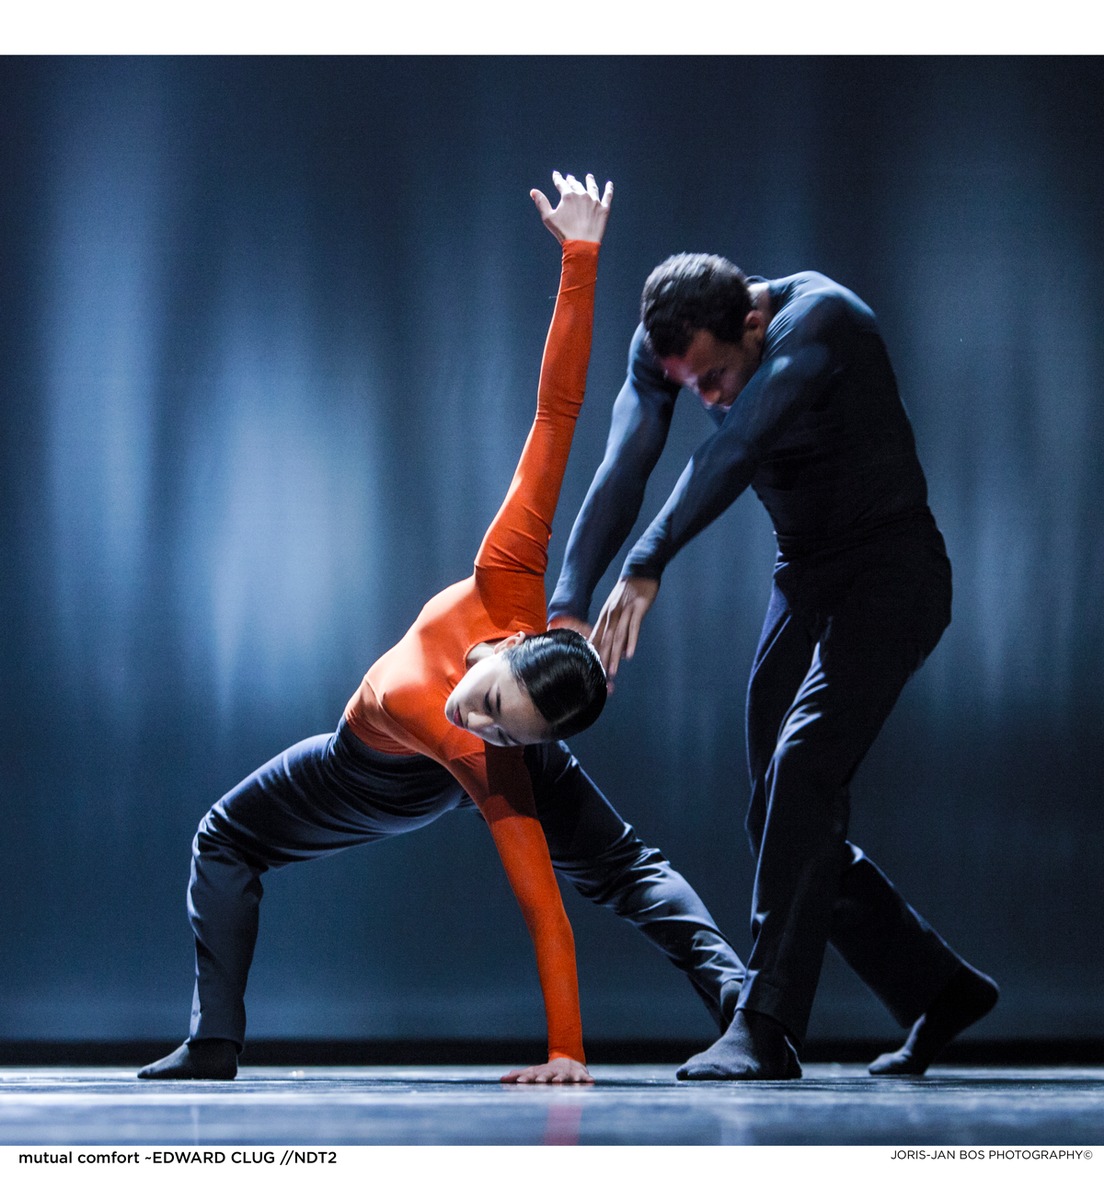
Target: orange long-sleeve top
pixel 399 707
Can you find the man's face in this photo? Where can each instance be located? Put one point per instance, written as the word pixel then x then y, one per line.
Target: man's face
pixel 717 371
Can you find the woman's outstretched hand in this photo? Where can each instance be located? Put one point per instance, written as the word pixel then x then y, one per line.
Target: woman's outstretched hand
pixel 558 1070
pixel 580 214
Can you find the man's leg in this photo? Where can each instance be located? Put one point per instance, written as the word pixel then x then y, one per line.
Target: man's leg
pixel 608 863
pixel 756 1045
pixel 801 805
pixel 922 981
pixel 323 795
pixel 811 883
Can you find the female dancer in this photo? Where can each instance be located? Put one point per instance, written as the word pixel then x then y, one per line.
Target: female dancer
pixel 475 679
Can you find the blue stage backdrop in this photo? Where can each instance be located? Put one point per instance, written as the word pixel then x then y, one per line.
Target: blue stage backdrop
pixel 270 339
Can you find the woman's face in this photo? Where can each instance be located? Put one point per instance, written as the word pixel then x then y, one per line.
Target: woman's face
pixel 490 702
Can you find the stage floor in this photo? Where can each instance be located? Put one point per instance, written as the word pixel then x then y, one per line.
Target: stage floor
pixel 631 1105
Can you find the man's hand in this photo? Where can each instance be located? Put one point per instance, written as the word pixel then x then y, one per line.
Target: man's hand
pixel 579 214
pixel 566 621
pixel 558 1070
pixel 618 625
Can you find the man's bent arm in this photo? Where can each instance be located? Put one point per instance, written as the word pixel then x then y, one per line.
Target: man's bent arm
pixel 723 466
pixel 638 431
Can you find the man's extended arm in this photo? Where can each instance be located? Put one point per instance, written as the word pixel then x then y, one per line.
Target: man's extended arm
pixel 723 465
pixel 638 430
pixel 790 377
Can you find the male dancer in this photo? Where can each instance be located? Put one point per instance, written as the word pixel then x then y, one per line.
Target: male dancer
pixel 798 382
pixel 462 710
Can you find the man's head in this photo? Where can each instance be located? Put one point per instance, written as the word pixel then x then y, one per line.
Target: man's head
pixel 703 325
pixel 533 688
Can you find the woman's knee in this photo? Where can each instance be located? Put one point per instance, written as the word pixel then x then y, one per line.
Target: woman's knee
pixel 217 840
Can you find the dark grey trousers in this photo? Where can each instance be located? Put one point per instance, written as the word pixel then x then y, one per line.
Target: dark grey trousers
pixel 844 631
pixel 332 792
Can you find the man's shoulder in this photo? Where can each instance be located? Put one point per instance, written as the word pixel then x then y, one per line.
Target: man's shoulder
pixel 811 285
pixel 812 300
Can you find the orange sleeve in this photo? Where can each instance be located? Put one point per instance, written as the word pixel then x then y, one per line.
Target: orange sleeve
pixel 518 537
pixel 509 595
pixel 498 781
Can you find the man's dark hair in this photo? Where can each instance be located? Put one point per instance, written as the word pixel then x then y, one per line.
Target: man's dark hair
pixel 688 292
pixel 563 675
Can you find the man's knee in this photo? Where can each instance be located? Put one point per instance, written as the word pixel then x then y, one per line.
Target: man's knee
pixel 816 770
pixel 799 792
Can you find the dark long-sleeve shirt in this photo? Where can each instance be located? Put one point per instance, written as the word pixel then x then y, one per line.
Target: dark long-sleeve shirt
pixel 819 432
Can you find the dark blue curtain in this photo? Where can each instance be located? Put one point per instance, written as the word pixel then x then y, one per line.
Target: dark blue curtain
pixel 269 346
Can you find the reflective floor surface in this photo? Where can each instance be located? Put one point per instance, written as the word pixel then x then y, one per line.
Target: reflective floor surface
pixel 630 1105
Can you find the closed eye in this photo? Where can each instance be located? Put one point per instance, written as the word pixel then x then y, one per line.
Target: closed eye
pixel 493 709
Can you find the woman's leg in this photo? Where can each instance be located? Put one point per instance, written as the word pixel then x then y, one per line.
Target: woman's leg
pixel 608 863
pixel 322 795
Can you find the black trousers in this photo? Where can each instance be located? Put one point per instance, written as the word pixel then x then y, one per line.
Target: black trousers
pixel 844 631
pixel 332 792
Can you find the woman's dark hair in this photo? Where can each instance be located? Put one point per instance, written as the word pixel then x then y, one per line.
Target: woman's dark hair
pixel 563 676
pixel 688 292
